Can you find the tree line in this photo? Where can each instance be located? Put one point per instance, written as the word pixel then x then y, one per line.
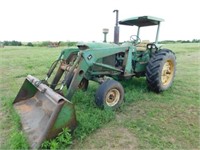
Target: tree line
pixel 69 43
pixel 39 44
pixel 179 41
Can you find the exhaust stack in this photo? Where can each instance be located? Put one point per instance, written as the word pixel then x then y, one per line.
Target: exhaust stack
pixel 116 29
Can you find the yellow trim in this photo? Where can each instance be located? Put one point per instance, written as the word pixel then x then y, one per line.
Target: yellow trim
pixel 167 72
pixel 112 97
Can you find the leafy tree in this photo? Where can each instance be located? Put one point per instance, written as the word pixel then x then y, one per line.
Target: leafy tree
pixel 30 44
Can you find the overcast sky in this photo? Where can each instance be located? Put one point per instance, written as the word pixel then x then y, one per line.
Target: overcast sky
pixel 83 20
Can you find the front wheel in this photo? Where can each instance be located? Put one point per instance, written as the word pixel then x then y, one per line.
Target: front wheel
pixel 161 70
pixel 110 94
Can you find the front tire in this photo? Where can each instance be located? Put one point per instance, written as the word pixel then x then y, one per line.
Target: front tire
pixel 161 70
pixel 110 94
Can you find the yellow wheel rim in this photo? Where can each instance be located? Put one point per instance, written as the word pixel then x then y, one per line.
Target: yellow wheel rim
pixel 167 72
pixel 112 97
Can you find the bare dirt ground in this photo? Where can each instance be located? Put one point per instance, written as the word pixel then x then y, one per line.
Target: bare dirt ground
pixel 115 137
pixel 111 136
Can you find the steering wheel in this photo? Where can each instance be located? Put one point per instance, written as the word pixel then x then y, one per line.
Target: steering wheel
pixel 135 39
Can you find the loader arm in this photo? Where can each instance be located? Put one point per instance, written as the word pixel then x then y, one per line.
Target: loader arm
pixel 88 58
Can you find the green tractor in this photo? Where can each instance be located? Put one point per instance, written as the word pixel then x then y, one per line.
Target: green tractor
pixel 45 109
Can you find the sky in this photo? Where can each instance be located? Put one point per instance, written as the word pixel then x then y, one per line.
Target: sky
pixel 84 20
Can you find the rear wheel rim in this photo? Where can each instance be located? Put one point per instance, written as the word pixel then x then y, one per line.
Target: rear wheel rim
pixel 167 72
pixel 112 97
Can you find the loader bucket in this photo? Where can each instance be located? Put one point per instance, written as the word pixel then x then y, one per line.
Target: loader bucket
pixel 43 112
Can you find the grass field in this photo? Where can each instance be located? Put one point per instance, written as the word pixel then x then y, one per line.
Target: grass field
pixel 146 120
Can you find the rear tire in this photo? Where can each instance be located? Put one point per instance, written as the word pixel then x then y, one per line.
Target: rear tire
pixel 160 70
pixel 110 94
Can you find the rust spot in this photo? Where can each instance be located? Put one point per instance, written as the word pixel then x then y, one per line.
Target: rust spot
pixel 24 108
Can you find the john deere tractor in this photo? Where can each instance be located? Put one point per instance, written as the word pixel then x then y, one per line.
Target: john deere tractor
pixel 45 109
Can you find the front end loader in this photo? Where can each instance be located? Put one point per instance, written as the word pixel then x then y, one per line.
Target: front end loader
pixel 45 108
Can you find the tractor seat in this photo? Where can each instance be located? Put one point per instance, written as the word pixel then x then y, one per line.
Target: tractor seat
pixel 142 46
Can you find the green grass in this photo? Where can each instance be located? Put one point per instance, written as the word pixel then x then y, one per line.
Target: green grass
pixel 169 120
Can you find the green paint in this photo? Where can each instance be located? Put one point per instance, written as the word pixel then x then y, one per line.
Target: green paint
pixel 64 116
pixel 141 21
pixel 27 90
pixel 66 52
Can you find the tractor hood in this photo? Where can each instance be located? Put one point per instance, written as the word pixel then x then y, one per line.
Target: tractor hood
pixel 95 45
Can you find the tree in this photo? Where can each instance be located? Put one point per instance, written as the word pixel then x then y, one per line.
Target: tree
pixel 29 44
